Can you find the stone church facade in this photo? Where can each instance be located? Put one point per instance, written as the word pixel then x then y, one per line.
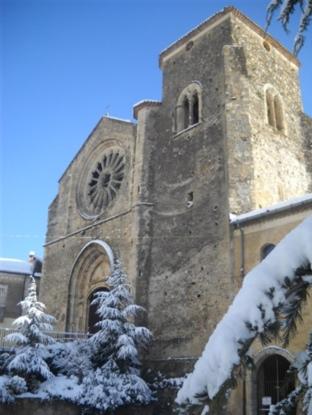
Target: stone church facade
pixel 228 136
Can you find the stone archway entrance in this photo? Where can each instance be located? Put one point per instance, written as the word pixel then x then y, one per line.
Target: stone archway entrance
pixel 89 274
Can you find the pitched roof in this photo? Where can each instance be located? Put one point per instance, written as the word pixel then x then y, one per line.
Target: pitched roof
pixel 15 266
pixel 212 21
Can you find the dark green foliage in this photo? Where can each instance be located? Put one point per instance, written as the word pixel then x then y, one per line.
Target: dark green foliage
pixel 287 8
pixel 288 404
pixel 270 333
pixel 297 295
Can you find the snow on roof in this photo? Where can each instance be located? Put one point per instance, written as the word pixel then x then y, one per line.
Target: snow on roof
pixel 111 117
pixel 16 266
pixel 144 103
pixel 277 207
pixel 149 101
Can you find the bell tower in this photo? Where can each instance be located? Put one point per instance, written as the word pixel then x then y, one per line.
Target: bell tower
pixel 223 139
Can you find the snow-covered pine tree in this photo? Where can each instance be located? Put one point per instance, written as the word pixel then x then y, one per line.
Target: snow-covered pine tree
pixel 116 379
pixel 30 340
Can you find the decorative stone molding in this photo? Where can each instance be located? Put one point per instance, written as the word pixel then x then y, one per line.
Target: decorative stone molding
pixel 90 271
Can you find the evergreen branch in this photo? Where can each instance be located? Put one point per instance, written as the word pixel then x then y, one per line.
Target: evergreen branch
pixel 289 403
pixel 288 9
pixel 271 9
pixel 270 333
pixel 304 23
pixel 296 297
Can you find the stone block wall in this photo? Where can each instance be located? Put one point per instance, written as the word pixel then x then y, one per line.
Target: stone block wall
pixel 262 155
pixel 188 257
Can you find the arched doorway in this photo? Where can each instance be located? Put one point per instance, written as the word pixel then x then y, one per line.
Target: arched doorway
pixel 273 382
pixel 93 317
pixel 90 271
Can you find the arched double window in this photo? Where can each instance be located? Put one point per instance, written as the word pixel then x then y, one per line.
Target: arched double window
pixel 188 109
pixel 274 109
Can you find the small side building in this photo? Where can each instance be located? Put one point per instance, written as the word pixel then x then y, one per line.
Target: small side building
pixel 14 274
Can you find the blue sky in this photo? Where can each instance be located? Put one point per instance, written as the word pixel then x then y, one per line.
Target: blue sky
pixel 64 64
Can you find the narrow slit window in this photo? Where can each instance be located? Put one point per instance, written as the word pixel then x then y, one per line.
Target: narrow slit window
pixel 270 108
pixel 186 112
pixel 180 118
pixel 195 109
pixel 278 113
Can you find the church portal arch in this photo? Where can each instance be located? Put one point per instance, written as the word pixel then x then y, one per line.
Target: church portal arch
pixel 89 274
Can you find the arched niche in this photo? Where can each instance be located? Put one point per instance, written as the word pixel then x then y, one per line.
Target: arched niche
pixel 90 271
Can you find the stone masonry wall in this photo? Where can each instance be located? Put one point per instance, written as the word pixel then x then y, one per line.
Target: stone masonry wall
pixel 276 164
pixel 307 134
pixel 69 232
pixel 188 287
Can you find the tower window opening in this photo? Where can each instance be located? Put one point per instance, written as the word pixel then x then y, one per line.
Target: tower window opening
pixel 188 109
pixel 274 107
pixel 270 108
pixel 195 109
pixel 278 113
pixel 186 112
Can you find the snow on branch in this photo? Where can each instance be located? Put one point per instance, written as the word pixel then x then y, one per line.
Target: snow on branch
pixel 253 311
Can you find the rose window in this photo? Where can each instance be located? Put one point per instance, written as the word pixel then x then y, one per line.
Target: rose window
pixel 105 180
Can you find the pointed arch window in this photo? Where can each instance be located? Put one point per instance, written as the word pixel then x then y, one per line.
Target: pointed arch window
pixel 188 109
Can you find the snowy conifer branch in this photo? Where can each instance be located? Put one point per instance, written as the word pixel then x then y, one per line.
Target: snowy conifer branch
pixel 261 297
pixel 288 404
pixel 296 297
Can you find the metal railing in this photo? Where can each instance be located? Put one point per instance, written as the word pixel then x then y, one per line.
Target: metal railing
pixel 60 336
